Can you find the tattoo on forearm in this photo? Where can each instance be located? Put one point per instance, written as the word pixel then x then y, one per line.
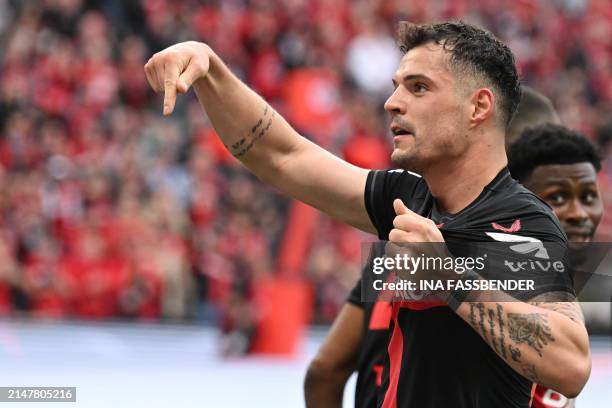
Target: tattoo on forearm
pixel 243 151
pixel 531 329
pixel 258 130
pixel 514 352
pixel 571 310
pixel 530 372
pixel 500 321
pixel 491 328
pixel 239 143
pixel 264 130
pixel 560 302
pixel 473 316
pixel 483 330
pixel 568 309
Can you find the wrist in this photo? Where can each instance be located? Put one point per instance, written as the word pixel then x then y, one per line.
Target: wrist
pixel 458 296
pixel 216 71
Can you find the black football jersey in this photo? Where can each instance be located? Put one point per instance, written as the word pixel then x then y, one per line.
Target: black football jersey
pixel 433 357
pixel 373 348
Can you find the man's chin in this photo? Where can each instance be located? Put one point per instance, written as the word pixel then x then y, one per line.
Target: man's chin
pixel 579 242
pixel 403 160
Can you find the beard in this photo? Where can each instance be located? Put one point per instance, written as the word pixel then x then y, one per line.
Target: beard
pixel 407 160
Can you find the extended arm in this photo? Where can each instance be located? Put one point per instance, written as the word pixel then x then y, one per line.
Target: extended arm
pixel 336 360
pixel 258 136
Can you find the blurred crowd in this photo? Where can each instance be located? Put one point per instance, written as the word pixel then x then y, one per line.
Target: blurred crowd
pixel 107 209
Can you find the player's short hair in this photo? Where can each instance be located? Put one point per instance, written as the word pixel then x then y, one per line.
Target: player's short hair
pixel 534 109
pixel 473 51
pixel 549 144
pixel 603 135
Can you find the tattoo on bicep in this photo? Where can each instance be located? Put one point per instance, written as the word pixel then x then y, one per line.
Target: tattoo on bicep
pixel 531 329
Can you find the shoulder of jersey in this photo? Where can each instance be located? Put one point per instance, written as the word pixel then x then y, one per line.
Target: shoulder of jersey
pixel 404 171
pixel 520 211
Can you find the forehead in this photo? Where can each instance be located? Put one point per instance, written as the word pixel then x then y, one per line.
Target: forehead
pixel 427 59
pixel 564 174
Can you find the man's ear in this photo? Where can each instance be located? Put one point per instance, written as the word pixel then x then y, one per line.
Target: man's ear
pixel 482 106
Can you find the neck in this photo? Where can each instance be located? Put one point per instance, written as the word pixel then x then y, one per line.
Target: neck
pixel 457 183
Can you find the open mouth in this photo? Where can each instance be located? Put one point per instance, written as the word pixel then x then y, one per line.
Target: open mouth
pixel 578 238
pixel 579 235
pixel 399 131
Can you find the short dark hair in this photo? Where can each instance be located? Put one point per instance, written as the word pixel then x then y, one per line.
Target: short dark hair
pixel 473 48
pixel 603 134
pixel 534 109
pixel 549 144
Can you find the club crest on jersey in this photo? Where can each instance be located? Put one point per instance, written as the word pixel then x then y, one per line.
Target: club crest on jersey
pixel 515 227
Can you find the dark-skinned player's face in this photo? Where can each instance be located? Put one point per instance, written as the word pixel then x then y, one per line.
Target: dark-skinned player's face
pixel 572 192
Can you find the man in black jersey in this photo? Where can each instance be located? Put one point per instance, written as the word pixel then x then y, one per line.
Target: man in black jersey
pixel 560 166
pixel 356 341
pixel 358 338
pixel 456 91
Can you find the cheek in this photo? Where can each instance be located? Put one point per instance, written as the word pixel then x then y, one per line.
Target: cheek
pixel 559 212
pixel 434 111
pixel 596 213
pixel 437 127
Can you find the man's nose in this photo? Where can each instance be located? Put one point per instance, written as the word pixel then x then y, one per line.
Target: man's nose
pixel 394 104
pixel 576 213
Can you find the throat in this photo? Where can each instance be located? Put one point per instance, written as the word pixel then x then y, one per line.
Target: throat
pixel 454 191
pixel 457 198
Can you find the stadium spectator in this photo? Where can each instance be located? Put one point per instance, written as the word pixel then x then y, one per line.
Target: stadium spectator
pixel 88 169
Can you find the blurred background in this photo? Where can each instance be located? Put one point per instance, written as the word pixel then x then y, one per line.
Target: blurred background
pixel 114 217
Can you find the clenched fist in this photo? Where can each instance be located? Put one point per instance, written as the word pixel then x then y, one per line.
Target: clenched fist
pixel 411 227
pixel 176 68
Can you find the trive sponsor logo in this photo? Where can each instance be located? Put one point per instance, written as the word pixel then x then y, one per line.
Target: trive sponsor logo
pixel 528 246
pixel 543 266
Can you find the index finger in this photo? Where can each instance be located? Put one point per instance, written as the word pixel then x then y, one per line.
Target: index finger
pixel 171 74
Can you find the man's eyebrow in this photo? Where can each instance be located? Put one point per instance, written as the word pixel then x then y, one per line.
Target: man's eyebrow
pixel 557 182
pixel 565 182
pixel 412 77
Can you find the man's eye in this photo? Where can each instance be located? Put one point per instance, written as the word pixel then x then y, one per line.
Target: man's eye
pixel 590 197
pixel 419 87
pixel 556 199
